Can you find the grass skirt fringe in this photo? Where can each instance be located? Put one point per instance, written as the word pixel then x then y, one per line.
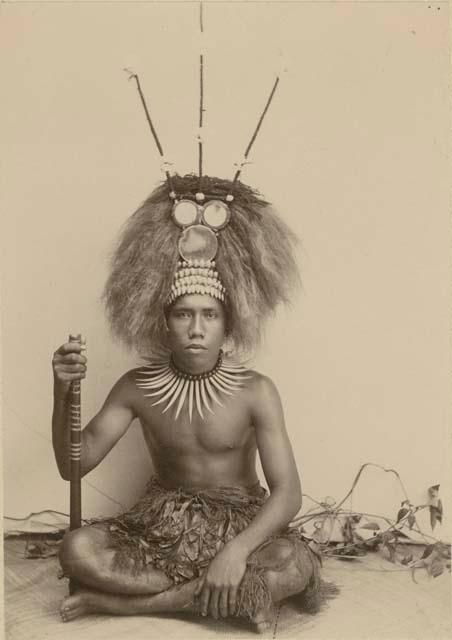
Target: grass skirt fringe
pixel 180 531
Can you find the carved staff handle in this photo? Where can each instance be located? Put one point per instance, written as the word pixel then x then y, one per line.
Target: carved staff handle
pixel 76 447
pixel 75 425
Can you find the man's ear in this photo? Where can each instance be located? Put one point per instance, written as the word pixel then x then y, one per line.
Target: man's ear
pixel 165 320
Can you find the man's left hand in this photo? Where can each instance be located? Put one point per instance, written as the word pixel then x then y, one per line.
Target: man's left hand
pixel 217 589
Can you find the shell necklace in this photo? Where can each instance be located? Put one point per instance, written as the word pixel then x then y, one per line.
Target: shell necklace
pixel 161 379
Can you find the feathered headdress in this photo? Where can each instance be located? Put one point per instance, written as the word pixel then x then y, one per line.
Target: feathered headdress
pixel 255 262
pixel 200 235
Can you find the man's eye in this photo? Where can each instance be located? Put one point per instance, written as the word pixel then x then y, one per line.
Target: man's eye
pixel 211 314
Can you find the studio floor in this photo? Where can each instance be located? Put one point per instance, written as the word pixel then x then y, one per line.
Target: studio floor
pixel 377 600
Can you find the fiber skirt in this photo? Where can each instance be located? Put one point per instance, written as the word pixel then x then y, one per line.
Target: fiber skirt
pixel 180 531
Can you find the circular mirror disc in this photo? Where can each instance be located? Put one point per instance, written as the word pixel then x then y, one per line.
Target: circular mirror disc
pixel 198 243
pixel 216 214
pixel 185 213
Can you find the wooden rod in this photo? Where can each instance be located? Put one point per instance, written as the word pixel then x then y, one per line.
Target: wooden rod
pixel 75 425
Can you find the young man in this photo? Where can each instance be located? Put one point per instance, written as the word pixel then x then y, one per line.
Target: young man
pixel 205 538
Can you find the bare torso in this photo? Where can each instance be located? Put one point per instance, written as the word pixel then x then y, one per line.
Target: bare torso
pixel 219 450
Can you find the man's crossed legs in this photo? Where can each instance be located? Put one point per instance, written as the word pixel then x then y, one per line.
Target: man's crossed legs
pixel 87 556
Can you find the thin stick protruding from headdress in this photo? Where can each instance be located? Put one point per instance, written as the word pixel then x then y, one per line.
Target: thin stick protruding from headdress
pixel 201 110
pixel 201 95
pixel 151 126
pixel 256 131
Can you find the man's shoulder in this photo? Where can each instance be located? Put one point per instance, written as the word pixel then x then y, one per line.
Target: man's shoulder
pixel 125 386
pixel 264 401
pixel 261 384
pixel 129 377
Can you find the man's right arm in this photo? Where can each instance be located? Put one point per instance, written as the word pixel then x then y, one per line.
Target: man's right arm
pixel 104 430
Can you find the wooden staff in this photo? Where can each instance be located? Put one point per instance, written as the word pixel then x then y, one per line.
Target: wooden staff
pixel 75 519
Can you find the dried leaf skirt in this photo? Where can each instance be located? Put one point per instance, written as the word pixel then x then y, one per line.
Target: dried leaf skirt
pixel 180 531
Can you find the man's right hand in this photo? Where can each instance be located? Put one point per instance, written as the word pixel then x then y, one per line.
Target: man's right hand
pixel 68 363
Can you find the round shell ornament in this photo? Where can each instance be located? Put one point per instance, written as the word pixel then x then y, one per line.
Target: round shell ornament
pixel 185 213
pixel 198 243
pixel 216 214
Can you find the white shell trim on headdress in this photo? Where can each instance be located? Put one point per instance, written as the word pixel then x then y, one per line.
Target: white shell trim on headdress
pixel 197 277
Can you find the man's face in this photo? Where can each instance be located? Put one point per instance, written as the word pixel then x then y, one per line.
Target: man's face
pixel 196 326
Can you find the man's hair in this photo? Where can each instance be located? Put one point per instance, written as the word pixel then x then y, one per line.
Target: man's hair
pixel 255 261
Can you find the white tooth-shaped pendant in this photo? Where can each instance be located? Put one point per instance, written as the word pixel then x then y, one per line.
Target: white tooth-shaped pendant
pixel 156 382
pixel 172 389
pixel 182 398
pixel 233 368
pixel 157 364
pixel 151 377
pixel 229 383
pixel 190 399
pixel 145 373
pixel 175 395
pixel 154 371
pixel 163 389
pixel 216 384
pixel 234 376
pixel 212 393
pixel 204 396
pixel 161 379
pixel 198 398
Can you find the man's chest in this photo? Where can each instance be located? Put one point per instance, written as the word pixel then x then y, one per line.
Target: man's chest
pixel 226 428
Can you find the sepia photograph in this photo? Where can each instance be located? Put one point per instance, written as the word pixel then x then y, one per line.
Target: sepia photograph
pixel 225 319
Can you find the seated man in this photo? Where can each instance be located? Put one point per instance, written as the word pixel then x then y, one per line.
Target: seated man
pixel 206 538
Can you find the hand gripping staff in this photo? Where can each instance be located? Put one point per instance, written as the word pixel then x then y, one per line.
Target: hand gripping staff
pixel 75 519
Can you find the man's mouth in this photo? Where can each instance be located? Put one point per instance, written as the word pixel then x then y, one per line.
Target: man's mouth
pixel 195 347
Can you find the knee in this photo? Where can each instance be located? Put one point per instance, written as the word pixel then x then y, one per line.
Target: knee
pixel 290 569
pixel 277 554
pixel 76 550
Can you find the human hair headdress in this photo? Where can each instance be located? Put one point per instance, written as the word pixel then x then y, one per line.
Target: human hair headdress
pixel 197 234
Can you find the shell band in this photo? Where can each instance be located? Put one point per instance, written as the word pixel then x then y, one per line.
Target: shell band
pixel 197 277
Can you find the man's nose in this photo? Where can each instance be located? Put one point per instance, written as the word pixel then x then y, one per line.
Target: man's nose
pixel 196 327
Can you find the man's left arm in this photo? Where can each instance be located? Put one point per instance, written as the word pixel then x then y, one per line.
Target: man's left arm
pixel 284 502
pixel 279 468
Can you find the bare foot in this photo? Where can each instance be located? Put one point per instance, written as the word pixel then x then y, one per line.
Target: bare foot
pixel 74 606
pixel 262 621
pixel 180 598
pixel 85 601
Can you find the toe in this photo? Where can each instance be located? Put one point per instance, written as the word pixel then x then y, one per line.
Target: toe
pixel 63 613
pixel 70 608
pixel 72 614
pixel 263 626
pixel 262 620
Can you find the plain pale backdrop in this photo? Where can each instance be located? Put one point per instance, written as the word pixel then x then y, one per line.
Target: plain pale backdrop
pixel 354 153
